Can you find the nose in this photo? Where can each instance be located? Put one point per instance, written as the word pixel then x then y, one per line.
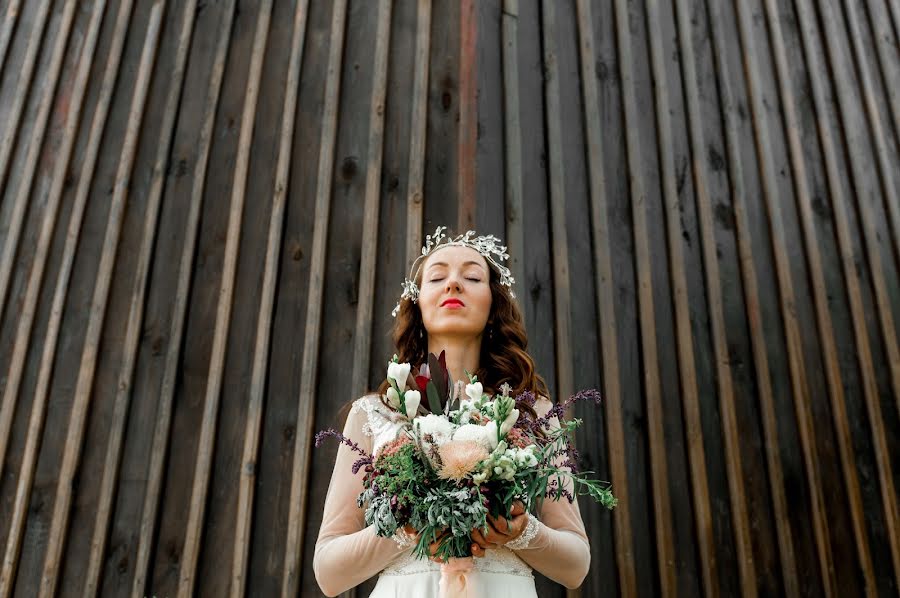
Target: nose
pixel 453 282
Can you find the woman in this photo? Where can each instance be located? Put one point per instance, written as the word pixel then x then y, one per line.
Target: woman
pixel 458 300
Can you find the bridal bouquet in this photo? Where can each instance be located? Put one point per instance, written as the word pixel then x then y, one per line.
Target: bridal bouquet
pixel 447 470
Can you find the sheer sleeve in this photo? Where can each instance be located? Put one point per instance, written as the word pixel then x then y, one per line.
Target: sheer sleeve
pixel 347 552
pixel 560 549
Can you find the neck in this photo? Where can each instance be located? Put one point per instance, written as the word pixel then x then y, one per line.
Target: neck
pixel 461 354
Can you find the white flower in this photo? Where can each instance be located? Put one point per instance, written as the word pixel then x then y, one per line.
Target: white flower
pixel 398 372
pixel 491 428
pixel 474 391
pixel 440 428
pixel 412 398
pixel 475 433
pixel 509 422
pixel 393 397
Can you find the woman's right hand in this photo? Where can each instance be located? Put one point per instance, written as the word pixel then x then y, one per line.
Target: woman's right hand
pixel 432 548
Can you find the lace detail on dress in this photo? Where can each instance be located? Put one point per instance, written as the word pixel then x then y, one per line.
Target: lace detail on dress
pixel 495 560
pixel 381 423
pixel 527 535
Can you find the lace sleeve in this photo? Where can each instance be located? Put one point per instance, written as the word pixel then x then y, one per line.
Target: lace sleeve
pixel 347 552
pixel 557 545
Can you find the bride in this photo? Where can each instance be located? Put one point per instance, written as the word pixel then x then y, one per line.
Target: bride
pixel 459 300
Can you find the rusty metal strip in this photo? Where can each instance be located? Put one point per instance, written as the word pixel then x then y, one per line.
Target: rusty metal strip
pixel 78 418
pixel 306 400
pixel 161 432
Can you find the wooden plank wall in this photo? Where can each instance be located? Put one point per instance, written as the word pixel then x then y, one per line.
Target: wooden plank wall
pixel 207 208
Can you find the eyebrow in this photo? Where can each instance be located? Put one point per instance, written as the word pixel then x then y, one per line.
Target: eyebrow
pixel 470 262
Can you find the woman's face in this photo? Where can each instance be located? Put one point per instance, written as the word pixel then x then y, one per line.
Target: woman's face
pixel 455 292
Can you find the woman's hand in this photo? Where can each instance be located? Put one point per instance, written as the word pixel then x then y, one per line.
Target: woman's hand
pixel 500 530
pixel 432 548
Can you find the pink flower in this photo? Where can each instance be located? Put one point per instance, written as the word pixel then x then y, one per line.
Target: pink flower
pixel 392 447
pixel 517 438
pixel 459 458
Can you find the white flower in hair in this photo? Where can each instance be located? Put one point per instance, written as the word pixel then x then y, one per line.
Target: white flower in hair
pixel 487 245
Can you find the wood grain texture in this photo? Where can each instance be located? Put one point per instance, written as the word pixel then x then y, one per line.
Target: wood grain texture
pixel 207 210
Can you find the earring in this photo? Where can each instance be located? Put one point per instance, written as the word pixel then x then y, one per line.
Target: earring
pixel 420 333
pixel 491 333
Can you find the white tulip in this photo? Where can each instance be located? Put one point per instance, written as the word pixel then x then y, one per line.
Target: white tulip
pixel 398 372
pixel 474 391
pixel 491 428
pixel 509 422
pixel 411 399
pixel 393 397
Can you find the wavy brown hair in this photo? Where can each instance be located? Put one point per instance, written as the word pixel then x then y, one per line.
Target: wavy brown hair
pixel 503 344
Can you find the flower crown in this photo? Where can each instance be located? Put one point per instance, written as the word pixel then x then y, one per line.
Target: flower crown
pixel 487 245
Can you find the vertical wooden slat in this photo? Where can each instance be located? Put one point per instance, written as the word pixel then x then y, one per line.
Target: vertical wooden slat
pixel 75 433
pixel 886 170
pixel 888 62
pixel 854 293
pixel 748 269
pixel 561 286
pixel 203 465
pixel 363 335
pixel 161 431
pixel 306 411
pixel 863 200
pixel 468 117
pixel 826 327
pixel 787 300
pixel 895 14
pixel 418 128
pixel 660 478
pixel 54 70
pixel 29 309
pixel 23 83
pixel 264 324
pixel 515 226
pixel 7 28
pixel 136 310
pixel 688 377
pixel 29 306
pixel 730 426
pixel 605 290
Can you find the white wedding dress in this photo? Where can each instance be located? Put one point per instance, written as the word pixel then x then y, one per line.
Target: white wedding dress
pixel 348 553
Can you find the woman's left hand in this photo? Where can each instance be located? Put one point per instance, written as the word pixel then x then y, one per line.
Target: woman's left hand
pixel 500 530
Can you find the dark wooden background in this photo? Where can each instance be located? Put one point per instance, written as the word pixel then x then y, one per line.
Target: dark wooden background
pixel 208 207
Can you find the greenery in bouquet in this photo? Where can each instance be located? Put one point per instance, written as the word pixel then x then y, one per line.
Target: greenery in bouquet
pixel 453 465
